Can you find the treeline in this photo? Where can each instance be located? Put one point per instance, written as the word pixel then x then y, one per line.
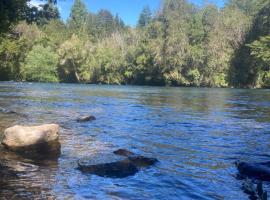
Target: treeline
pixel 179 45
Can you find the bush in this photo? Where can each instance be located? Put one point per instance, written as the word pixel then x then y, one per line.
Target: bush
pixel 41 65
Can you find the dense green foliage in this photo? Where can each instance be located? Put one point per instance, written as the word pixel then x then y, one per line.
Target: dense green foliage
pixel 41 65
pixel 180 45
pixel 11 11
pixel 250 67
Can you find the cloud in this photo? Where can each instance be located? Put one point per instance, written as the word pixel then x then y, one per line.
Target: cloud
pixel 35 3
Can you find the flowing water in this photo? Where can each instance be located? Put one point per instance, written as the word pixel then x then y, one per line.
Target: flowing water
pixel 197 134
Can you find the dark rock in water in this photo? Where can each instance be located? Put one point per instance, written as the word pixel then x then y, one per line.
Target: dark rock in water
pixel 86 119
pixel 141 161
pixel 258 170
pixel 121 164
pixel 109 165
pixel 7 111
pixel 254 190
pixel 137 160
pixel 12 112
pixel 123 152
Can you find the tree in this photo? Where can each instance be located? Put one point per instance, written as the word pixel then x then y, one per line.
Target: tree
pixel 42 14
pixel 47 13
pixel 10 52
pixel 11 11
pixel 56 32
pixel 105 23
pixel 41 65
pixel 249 7
pixel 145 17
pixel 260 50
pixel 78 16
pixel 245 70
pixel 74 55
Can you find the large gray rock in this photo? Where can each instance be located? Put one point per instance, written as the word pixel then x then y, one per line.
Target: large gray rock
pixel 37 139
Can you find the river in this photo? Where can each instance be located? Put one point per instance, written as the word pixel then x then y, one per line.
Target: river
pixel 196 134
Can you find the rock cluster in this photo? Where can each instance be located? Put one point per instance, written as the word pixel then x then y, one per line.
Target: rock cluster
pixel 37 142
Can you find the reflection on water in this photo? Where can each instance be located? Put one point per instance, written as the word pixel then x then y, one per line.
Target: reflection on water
pixel 196 134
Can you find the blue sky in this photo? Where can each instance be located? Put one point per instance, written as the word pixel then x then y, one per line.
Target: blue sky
pixel 128 10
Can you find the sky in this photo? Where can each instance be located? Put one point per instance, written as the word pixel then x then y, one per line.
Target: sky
pixel 128 10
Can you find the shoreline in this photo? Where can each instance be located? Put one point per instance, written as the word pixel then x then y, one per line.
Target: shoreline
pixel 136 85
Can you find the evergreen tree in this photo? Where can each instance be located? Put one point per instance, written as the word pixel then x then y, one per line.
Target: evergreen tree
pixel 105 23
pixel 78 16
pixel 145 17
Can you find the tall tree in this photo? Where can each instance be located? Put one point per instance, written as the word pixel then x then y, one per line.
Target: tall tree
pixel 145 17
pixel 11 11
pixel 245 70
pixel 105 23
pixel 78 16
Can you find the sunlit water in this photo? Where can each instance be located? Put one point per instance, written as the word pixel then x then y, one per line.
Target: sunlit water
pixel 196 134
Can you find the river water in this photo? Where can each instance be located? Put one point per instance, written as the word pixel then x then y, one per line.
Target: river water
pixel 197 134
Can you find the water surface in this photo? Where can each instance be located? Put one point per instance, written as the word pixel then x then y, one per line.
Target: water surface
pixel 197 135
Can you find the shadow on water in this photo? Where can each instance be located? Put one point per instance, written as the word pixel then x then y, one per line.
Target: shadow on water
pixel 24 178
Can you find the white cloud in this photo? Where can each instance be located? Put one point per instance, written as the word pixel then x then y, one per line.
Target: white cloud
pixel 35 3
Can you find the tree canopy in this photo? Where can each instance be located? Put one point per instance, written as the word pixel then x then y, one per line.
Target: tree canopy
pixel 180 44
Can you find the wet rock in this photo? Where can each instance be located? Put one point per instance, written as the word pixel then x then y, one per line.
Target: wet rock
pixel 260 171
pixel 254 190
pixel 4 110
pixel 12 112
pixel 108 165
pixel 138 160
pixel 86 119
pixel 141 161
pixel 120 164
pixel 40 140
pixel 123 152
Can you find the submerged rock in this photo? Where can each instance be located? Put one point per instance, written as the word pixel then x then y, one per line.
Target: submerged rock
pixel 137 160
pixel 141 161
pixel 42 140
pixel 4 110
pixel 86 119
pixel 122 163
pixel 108 165
pixel 123 152
pixel 260 171
pixel 254 189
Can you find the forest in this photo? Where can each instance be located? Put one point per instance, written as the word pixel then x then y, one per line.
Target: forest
pixel 180 44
